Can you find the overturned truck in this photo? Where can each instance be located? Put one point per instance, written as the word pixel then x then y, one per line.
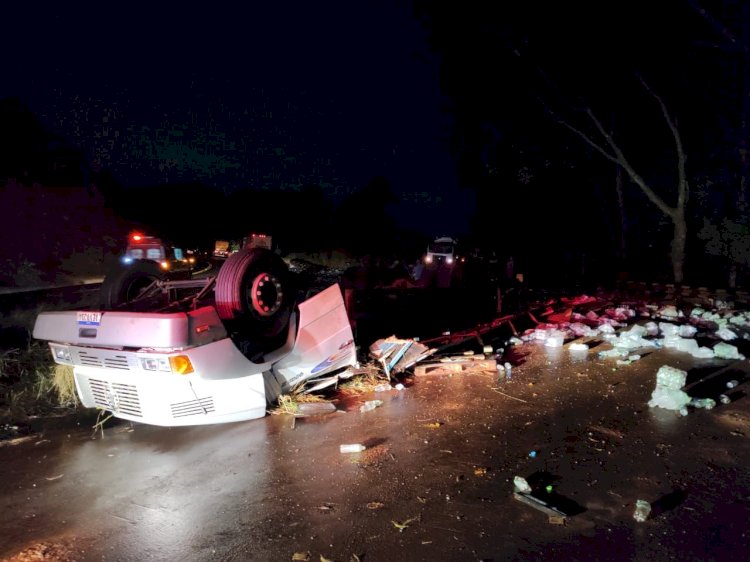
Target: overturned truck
pixel 170 352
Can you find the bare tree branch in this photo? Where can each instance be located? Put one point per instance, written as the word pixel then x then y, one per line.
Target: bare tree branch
pixel 681 177
pixel 718 26
pixel 676 213
pixel 635 176
pixel 588 141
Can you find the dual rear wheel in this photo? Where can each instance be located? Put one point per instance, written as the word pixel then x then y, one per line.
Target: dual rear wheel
pixel 254 294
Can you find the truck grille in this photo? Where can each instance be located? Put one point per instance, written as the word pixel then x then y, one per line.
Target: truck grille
pixel 192 407
pixel 116 397
pixel 110 361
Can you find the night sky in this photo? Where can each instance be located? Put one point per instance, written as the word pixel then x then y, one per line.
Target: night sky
pixel 268 95
pixel 462 108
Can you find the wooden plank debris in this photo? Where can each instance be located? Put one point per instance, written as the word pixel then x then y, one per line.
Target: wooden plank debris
pixel 395 355
pixel 466 366
pixel 540 505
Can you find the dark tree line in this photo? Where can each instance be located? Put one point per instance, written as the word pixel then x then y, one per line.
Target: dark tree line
pixel 617 130
pixel 56 224
pixel 64 219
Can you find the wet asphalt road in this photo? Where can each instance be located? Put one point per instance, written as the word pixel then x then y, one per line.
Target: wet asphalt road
pixel 441 458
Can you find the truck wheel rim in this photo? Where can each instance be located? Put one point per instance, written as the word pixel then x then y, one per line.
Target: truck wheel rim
pixel 266 295
pixel 137 287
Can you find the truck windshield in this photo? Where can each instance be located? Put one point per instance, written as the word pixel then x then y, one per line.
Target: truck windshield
pixel 151 252
pixel 441 247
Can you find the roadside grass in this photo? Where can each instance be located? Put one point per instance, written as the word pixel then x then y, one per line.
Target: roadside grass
pixel 289 403
pixel 33 385
pixel 370 377
pixel 365 381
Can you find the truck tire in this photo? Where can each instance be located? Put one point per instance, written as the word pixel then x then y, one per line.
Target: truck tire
pixel 125 282
pixel 253 292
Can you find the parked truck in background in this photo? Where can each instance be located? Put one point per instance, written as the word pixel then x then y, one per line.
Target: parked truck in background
pixel 256 240
pixel 225 248
pixel 221 248
pixel 441 251
pixel 441 263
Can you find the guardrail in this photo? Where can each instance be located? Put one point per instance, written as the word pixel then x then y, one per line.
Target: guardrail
pixel 48 297
pixel 673 291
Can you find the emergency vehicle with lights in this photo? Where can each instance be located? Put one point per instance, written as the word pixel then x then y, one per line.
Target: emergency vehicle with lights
pixel 144 247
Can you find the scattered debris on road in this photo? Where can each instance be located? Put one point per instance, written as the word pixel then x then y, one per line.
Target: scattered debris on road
pixel 396 355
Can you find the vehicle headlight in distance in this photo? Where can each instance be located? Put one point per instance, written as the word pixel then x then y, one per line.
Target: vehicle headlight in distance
pixel 61 354
pixel 449 260
pixel 154 364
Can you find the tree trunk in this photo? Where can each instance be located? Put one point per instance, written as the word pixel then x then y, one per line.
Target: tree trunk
pixel 623 221
pixel 678 244
pixel 615 154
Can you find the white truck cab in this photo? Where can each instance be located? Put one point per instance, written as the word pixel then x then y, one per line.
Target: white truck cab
pixel 214 356
pixel 441 251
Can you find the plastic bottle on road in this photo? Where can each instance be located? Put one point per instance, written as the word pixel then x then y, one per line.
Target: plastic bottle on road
pixel 352 448
pixel 724 399
pixel 370 405
pixel 731 384
pixel 521 485
pixel 508 370
pixel 642 510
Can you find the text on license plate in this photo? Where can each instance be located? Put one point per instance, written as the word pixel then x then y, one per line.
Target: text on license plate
pixel 89 318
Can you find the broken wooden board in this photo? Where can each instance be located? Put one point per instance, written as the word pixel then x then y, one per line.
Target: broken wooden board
pixel 395 354
pixel 456 367
pixel 542 506
pixel 416 353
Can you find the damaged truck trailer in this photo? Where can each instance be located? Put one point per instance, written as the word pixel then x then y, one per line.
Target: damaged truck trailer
pixel 199 351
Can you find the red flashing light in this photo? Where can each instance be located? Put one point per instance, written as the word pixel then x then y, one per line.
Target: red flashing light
pixel 137 237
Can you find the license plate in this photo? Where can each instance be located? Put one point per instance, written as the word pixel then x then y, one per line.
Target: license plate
pixel 89 318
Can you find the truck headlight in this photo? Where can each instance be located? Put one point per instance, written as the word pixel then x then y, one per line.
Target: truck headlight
pixel 179 364
pixel 61 354
pixel 154 364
